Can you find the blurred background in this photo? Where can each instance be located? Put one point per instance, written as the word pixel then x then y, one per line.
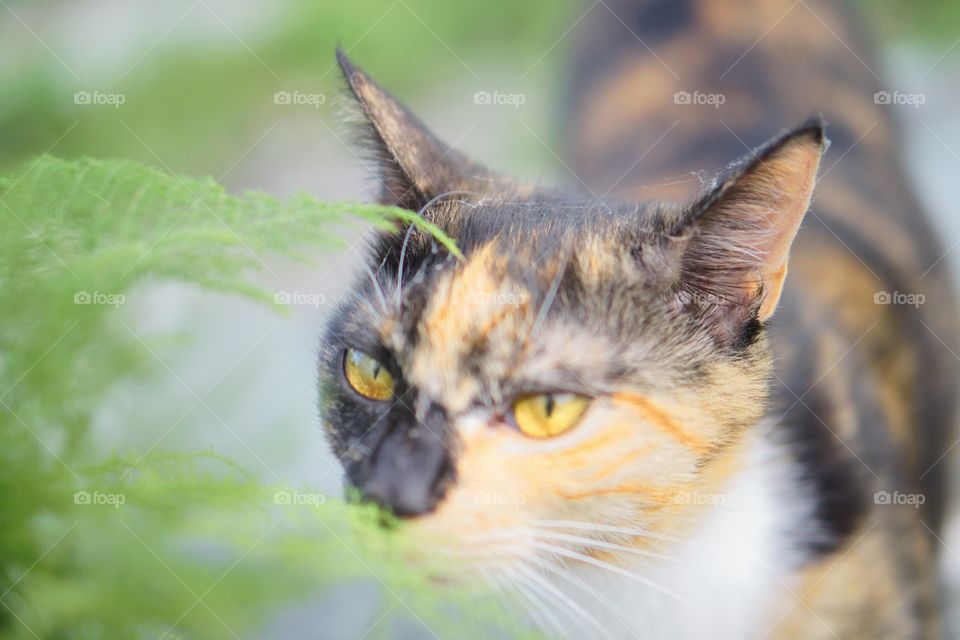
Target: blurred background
pixel 247 92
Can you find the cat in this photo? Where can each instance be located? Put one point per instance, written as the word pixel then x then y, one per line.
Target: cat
pixel 617 402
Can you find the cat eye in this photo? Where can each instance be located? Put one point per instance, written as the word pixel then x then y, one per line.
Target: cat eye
pixel 548 414
pixel 367 376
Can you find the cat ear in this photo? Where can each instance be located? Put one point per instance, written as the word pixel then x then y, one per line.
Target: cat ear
pixel 737 238
pixel 414 165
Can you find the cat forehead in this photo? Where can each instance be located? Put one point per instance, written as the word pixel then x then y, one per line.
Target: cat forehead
pixel 545 221
pixel 501 322
pixel 482 332
pixel 535 300
pixel 522 218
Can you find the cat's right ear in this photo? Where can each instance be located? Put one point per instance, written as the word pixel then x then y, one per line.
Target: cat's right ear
pixel 735 241
pixel 414 165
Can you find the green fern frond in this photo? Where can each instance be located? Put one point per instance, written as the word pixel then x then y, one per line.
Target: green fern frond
pixel 178 545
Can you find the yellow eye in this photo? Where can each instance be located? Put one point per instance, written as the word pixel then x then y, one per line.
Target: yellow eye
pixel 367 376
pixel 549 414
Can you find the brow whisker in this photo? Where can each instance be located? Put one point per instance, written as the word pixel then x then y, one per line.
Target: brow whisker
pixel 403 253
pixel 550 297
pixel 376 287
pixel 410 229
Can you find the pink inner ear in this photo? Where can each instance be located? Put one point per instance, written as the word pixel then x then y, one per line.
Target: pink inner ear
pixel 789 176
pixel 739 245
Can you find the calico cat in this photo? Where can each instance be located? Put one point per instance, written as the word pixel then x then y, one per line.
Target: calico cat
pixel 617 401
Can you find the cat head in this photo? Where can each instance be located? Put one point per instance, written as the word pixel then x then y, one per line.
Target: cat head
pixel 586 362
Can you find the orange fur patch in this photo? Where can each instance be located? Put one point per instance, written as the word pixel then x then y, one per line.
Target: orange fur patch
pixel 661 419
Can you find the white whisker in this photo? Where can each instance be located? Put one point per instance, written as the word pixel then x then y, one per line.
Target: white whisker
pixel 544 617
pixel 566 600
pixel 574 555
pixel 410 229
pixel 550 297
pixel 603 528
pixel 403 253
pixel 599 544
pixel 510 534
pixel 583 586
pixel 497 589
pixel 376 287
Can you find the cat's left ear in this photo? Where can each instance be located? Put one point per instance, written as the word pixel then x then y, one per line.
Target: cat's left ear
pixel 737 238
pixel 414 165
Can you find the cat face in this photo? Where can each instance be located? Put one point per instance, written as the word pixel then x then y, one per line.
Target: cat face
pixel 583 364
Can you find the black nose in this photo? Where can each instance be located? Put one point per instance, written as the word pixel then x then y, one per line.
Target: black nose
pixel 411 471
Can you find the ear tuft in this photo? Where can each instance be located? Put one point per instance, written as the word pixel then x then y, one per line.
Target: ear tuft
pixel 414 165
pixel 809 136
pixel 740 232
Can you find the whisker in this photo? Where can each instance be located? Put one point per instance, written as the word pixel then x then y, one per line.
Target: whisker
pixel 600 544
pixel 495 536
pixel 380 266
pixel 566 600
pixel 376 287
pixel 544 616
pixel 499 591
pixel 572 578
pixel 604 528
pixel 550 297
pixel 410 229
pixel 403 253
pixel 574 555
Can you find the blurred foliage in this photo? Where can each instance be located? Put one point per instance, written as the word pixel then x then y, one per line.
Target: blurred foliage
pixel 131 545
pixel 198 102
pixel 933 23
pixel 196 535
pixel 195 103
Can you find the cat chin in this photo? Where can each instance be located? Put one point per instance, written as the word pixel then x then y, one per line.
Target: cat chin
pixel 451 564
pixel 465 552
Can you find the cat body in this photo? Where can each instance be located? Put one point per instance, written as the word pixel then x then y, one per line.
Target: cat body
pixel 617 402
pixel 863 391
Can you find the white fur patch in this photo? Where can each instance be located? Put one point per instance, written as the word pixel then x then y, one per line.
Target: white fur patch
pixel 734 571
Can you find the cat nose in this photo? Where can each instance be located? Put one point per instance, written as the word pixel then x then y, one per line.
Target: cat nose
pixel 411 471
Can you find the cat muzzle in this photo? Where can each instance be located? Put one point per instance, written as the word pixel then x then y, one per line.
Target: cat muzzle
pixel 412 468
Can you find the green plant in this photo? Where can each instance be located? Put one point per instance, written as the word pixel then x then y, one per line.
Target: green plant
pixel 148 544
pixel 219 90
